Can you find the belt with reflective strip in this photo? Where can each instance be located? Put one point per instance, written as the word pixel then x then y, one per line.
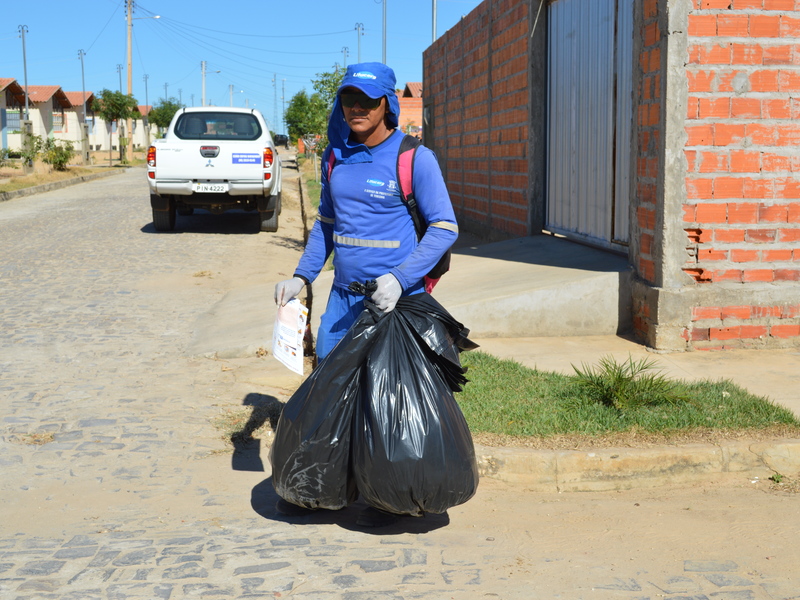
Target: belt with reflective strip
pixel 348 241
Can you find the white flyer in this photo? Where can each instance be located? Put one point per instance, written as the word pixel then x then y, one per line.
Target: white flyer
pixel 288 334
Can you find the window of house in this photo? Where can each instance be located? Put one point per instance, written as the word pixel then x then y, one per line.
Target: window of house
pixel 59 124
pixel 13 119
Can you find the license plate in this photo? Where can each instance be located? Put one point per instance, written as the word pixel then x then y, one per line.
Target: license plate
pixel 210 188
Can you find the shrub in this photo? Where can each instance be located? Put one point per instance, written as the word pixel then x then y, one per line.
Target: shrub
pixel 627 385
pixel 57 153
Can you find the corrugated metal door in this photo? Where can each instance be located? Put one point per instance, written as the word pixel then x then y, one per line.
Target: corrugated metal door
pixel 589 119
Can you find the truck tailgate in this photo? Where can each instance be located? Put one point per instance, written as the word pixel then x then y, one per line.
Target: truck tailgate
pixel 210 161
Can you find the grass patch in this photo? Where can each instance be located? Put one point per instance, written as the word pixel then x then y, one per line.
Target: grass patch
pixel 18 181
pixel 505 402
pixel 313 187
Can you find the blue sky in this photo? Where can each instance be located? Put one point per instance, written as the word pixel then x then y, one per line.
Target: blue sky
pixel 249 42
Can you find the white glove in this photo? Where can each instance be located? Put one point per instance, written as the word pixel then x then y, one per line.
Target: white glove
pixel 388 292
pixel 288 289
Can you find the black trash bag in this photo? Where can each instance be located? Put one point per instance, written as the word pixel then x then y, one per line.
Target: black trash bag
pixel 310 454
pixel 412 449
pixel 347 429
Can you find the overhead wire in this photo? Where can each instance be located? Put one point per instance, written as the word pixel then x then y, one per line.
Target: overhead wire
pixel 116 8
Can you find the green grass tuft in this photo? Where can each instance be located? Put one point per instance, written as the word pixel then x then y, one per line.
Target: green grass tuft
pixel 506 398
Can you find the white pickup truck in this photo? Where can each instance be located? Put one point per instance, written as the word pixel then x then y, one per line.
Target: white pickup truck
pixel 215 158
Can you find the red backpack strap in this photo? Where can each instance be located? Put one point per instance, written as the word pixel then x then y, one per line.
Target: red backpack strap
pixel 331 162
pixel 405 178
pixel 405 166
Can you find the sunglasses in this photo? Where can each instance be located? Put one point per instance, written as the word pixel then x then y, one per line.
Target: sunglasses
pixel 350 99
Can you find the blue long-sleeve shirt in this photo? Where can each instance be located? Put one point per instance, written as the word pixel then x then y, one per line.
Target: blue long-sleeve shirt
pixel 364 221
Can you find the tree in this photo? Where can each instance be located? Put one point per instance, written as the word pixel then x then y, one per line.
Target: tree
pixel 114 106
pixel 162 113
pixel 327 84
pixel 306 115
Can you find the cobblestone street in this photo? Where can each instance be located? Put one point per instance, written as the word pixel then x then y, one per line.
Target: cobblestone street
pixel 116 484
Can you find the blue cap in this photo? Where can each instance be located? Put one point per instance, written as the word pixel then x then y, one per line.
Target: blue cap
pixel 374 79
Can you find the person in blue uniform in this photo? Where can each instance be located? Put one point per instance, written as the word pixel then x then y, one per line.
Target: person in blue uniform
pixel 362 218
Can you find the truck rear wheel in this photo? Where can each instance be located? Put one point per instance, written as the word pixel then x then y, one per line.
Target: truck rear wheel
pixel 164 220
pixel 269 218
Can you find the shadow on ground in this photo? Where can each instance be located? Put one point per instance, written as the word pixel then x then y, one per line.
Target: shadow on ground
pixel 263 499
pixel 247 449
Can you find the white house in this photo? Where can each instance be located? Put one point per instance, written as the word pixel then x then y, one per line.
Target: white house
pixel 12 109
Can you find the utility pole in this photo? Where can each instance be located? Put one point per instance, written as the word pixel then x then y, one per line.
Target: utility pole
pixel 283 97
pixel 129 122
pixel 345 52
pixel 22 30
pixel 359 33
pixel 27 126
pixel 180 96
pixel 147 104
pixel 275 106
pixel 84 126
pixel 119 72
pixel 192 99
pixel 384 31
pixel 166 97
pixel 203 76
pixel 230 91
pixel 433 39
pixel 203 71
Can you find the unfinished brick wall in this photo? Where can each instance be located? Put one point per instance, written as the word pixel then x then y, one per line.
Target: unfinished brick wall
pixel 476 82
pixel 648 200
pixel 742 209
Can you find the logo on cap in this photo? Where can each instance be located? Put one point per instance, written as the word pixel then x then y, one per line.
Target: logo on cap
pixel 364 75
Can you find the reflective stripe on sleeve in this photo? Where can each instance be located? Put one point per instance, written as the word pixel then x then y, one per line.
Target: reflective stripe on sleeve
pixel 348 241
pixel 327 220
pixel 445 225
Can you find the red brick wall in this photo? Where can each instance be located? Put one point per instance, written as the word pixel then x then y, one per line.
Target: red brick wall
pixel 648 200
pixel 410 113
pixel 742 209
pixel 476 78
pixel 649 143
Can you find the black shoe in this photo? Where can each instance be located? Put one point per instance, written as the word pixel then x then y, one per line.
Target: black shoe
pixel 287 509
pixel 372 517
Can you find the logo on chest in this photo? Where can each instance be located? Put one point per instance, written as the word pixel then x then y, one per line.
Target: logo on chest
pixel 375 182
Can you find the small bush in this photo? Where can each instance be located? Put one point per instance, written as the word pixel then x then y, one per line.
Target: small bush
pixel 57 153
pixel 627 385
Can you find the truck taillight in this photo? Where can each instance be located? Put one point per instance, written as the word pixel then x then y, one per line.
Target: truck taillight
pixel 268 158
pixel 151 156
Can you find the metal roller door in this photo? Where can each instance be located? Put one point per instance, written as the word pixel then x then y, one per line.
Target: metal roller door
pixel 589 120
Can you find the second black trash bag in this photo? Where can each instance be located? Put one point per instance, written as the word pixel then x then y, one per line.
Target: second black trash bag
pixel 412 450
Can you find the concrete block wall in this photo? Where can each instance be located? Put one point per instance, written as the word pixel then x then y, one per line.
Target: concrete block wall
pixel 718 182
pixel 476 84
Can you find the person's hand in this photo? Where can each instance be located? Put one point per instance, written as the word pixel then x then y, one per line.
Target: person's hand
pixel 388 292
pixel 288 289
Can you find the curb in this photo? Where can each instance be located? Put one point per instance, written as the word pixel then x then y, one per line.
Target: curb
pixel 48 187
pixel 614 469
